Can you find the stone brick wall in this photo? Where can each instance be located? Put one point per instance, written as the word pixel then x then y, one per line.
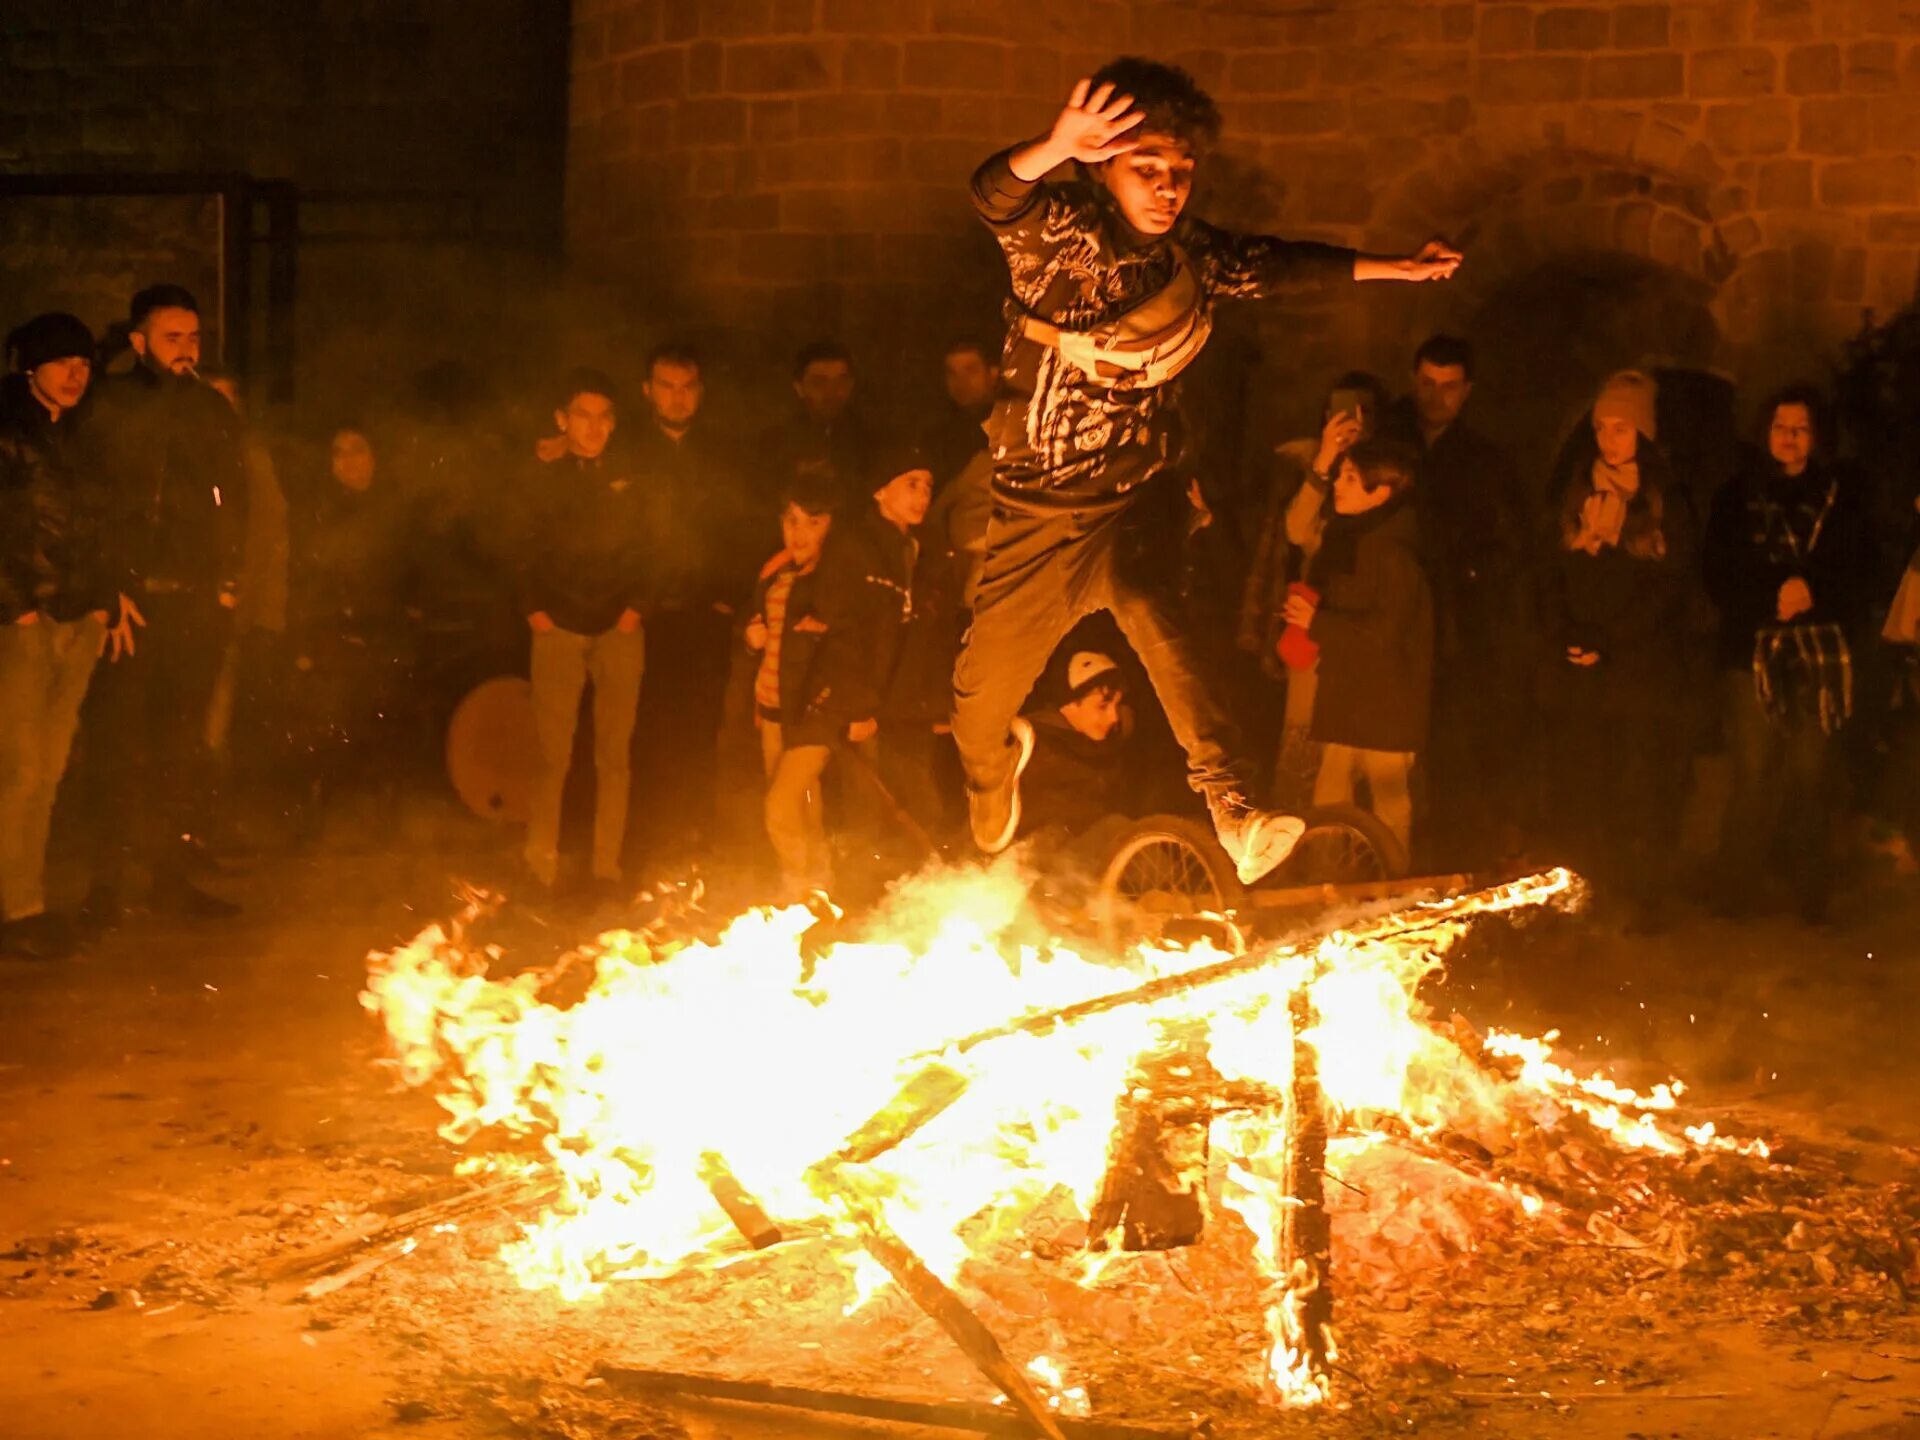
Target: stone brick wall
pixel 436 123
pixel 801 162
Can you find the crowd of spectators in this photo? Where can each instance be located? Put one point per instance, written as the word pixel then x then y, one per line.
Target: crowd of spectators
pixel 1503 670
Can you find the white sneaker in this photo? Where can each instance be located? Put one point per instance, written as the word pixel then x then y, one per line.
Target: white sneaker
pixel 995 814
pixel 1255 840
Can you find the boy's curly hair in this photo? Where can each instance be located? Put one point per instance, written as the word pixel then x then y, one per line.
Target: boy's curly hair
pixel 1174 102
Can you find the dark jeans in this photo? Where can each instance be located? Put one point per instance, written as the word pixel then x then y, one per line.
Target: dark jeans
pixel 145 728
pixel 1614 779
pixel 1788 788
pixel 1043 572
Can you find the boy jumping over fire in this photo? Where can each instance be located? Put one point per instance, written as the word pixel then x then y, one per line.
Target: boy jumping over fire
pixel 1112 288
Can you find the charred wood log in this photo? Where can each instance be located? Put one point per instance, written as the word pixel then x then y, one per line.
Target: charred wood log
pixel 1306 1229
pixel 1401 924
pixel 947 1415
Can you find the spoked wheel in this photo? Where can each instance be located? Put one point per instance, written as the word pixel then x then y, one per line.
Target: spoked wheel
pixel 1166 878
pixel 1343 845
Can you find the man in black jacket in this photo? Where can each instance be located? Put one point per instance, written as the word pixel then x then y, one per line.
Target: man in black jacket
pixel 839 653
pixel 1474 539
pixel 55 590
pixel 170 449
pixel 970 374
pixel 687 471
pixel 1788 563
pixel 824 425
pixel 588 557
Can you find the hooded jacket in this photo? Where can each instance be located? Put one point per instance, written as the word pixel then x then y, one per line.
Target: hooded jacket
pixel 53 513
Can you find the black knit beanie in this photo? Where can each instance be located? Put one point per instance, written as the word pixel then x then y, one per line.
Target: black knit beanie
pixel 55 335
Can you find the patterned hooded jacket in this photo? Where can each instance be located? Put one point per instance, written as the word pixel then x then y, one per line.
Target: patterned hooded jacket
pixel 1061 441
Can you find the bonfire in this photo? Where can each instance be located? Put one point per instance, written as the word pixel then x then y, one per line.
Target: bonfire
pixel 953 1108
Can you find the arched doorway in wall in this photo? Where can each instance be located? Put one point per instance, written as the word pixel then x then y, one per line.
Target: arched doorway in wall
pixel 1548 335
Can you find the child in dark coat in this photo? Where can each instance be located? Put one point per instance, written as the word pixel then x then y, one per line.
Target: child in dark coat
pixel 1372 621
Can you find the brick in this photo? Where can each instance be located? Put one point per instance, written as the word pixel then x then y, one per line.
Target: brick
pixel 1675 242
pixel 1850 274
pixel 783 258
pixel 1881 180
pixel 1754 127
pixel 839 115
pixel 1741 235
pixel 1891 17
pixel 1396 116
pixel 1895 227
pixel 968 114
pixel 1896 121
pixel 704 60
pixel 1505 29
pixel 657 75
pixel 1873 65
pixel 1270 72
pixel 870 65
pixel 1338 202
pixel 1571 28
pixel 1295 117
pixel 913 114
pixel 1783 19
pixel 955 65
pixel 1456 23
pixel 720 120
pixel 1636 77
pixel 772 121
pixel 1209 67
pixel 874 17
pixel 1532 80
pixel 1835 127
pixel 1641 27
pixel 1813 70
pixel 1730 71
pixel 757 67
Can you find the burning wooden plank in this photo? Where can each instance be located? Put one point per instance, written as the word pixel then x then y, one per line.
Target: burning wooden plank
pixel 1306 1230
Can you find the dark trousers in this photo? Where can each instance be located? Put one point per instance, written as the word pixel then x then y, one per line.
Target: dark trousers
pixel 1476 764
pixel 1044 571
pixel 145 727
pixel 1614 778
pixel 1788 787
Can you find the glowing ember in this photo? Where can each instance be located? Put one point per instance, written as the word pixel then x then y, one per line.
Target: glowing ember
pixel 906 1085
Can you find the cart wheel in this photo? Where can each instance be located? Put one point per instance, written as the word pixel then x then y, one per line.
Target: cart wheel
pixel 1342 844
pixel 1164 878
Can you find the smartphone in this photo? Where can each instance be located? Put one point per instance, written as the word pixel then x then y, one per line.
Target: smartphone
pixel 1348 402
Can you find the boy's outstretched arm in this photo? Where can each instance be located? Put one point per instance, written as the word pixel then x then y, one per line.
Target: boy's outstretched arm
pixel 1435 260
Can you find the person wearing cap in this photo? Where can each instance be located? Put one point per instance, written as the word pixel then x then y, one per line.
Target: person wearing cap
pixel 588 567
pixel 171 449
pixel 1616 590
pixel 840 654
pixel 1113 287
pixel 1076 777
pixel 55 591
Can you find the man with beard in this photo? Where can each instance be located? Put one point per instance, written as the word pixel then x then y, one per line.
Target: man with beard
pixel 170 450
pixel 1475 542
pixel 959 434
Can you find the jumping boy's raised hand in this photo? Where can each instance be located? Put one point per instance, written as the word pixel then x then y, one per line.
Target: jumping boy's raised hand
pixel 1092 127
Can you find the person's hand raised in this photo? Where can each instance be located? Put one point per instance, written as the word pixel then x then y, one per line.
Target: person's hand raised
pixel 1092 127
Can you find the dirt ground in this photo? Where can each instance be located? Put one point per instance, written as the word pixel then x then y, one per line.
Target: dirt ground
pixel 183 1105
